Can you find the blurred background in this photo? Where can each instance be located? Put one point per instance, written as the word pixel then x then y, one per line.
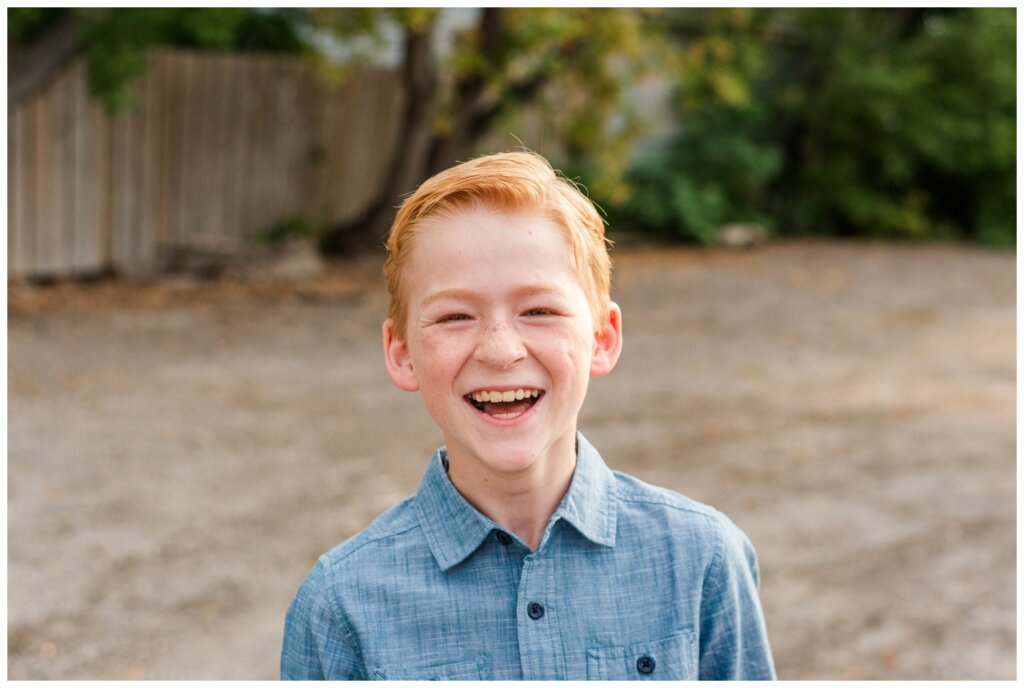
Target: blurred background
pixel 814 213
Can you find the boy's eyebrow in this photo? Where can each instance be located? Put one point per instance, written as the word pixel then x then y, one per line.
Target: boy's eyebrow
pixel 538 290
pixel 469 295
pixel 453 294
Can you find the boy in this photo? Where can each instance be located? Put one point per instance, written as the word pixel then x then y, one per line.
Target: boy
pixel 522 556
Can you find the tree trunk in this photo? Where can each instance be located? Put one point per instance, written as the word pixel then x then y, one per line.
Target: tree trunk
pixel 421 151
pixel 470 91
pixel 409 162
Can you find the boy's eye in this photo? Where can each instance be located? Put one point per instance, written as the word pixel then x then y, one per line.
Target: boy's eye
pixel 539 311
pixel 453 317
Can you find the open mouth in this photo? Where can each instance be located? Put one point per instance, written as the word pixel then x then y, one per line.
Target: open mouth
pixel 504 404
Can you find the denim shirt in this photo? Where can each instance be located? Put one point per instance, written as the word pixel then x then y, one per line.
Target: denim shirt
pixel 629 581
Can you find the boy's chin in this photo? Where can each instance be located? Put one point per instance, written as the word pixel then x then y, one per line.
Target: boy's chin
pixel 516 454
pixel 514 461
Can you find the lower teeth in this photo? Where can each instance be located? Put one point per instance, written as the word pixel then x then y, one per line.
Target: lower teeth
pixel 480 406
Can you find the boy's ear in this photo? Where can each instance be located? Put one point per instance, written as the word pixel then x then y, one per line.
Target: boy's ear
pixel 608 344
pixel 397 359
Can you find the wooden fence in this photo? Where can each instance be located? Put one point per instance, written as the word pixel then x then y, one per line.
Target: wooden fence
pixel 219 148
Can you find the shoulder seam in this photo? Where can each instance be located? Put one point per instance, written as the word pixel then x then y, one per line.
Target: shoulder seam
pixel 370 541
pixel 709 579
pixel 702 509
pixel 652 494
pixel 341 619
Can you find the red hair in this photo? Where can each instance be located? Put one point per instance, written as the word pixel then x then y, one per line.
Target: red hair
pixel 504 182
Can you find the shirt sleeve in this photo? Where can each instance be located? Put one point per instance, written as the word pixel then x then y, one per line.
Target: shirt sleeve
pixel 733 638
pixel 317 644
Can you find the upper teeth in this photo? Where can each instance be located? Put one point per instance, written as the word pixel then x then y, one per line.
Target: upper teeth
pixel 508 395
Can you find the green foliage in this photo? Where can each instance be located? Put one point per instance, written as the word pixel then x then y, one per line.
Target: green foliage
pixel 706 178
pixel 586 57
pixel 25 25
pixel 881 123
pixel 570 64
pixel 115 41
pixel 895 123
pixel 362 29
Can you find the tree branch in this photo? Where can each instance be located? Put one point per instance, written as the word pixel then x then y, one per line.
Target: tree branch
pixel 31 67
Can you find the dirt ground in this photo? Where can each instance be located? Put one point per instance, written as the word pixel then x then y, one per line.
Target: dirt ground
pixel 180 452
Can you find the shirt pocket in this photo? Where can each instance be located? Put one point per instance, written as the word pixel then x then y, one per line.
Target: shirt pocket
pixel 669 659
pixel 468 670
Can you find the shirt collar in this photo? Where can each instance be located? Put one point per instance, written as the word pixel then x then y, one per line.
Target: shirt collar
pixel 589 505
pixel 454 528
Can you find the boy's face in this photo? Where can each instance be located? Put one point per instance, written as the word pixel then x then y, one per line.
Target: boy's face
pixel 494 305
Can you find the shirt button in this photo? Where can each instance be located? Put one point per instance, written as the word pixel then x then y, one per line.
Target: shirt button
pixel 503 538
pixel 535 610
pixel 645 664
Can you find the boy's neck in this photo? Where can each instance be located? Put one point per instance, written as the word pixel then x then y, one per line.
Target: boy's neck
pixel 522 502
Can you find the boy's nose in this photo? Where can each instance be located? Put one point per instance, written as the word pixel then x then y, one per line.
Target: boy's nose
pixel 500 346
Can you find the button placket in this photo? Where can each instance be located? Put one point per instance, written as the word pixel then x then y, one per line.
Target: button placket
pixel 540 650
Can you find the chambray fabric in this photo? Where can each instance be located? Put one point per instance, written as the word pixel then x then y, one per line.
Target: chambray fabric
pixel 630 581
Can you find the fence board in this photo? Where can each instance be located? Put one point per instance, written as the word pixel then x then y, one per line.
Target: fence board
pixel 184 170
pixel 191 147
pixel 150 125
pixel 269 141
pixel 219 148
pixel 120 149
pixel 85 255
pixel 63 161
pixel 296 128
pixel 46 246
pixel 12 191
pixel 235 172
pixel 307 179
pixel 260 161
pixel 248 156
pixel 346 184
pixel 280 95
pixel 17 263
pixel 137 171
pixel 283 97
pixel 338 118
pixel 105 191
pixel 205 138
pixel 385 132
pixel 175 83
pixel 44 199
pixel 360 151
pixel 163 144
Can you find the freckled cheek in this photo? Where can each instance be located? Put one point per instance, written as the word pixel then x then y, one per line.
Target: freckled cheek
pixel 568 367
pixel 439 360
